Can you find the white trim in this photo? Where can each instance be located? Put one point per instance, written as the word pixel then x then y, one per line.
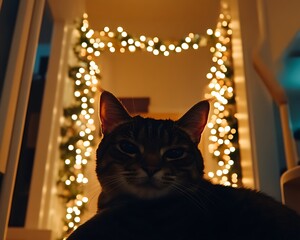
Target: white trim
pixel 15 98
pixel 13 79
pixel 43 187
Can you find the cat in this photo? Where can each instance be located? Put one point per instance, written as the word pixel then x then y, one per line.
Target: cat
pixel 151 174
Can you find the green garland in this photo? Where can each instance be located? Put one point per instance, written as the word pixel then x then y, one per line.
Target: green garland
pixel 77 139
pixel 223 124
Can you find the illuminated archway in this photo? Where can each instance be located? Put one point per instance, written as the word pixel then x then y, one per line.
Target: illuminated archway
pixel 79 129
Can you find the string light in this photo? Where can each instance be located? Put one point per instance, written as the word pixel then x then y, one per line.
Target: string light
pixel 121 41
pixel 78 128
pixel 223 125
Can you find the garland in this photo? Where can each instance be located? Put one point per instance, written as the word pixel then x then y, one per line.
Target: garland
pixel 95 42
pixel 77 139
pixel 223 124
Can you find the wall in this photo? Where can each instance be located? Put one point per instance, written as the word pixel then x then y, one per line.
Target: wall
pixel 173 83
pixel 271 24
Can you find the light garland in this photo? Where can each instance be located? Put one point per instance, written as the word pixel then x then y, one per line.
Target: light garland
pixel 223 124
pixel 121 41
pixel 78 129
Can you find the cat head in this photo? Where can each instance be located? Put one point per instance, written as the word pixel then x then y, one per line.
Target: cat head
pixel 147 158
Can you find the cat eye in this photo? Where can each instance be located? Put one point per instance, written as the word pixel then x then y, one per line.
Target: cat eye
pixel 128 147
pixel 175 154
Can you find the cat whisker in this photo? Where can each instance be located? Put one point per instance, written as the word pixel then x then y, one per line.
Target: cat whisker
pixel 191 196
pixel 204 192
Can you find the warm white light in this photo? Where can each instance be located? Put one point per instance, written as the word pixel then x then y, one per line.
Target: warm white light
pixel 178 49
pixel 131 48
pixel 143 38
pixel 184 46
pixel 130 41
pixel 209 32
pixel 171 47
pixel 155 52
pixel 188 39
pixel 67 161
pixel 163 48
pixel 149 49
pixel 156 40
pixel 195 46
pixel 151 43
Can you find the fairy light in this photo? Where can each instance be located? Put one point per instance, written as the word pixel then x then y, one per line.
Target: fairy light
pixel 222 124
pixel 78 129
pixel 121 41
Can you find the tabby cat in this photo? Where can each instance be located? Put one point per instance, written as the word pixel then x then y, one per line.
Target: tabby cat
pixel 151 173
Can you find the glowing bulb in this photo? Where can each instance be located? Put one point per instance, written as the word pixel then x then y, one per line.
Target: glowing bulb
pixel 67 161
pixel 211 174
pixel 149 49
pixel 137 43
pixel 217 153
pixel 195 46
pixel 219 173
pixel 156 40
pixel 227 151
pixel 143 38
pixel 209 32
pixel 217 33
pixel 151 43
pixel 188 39
pixel 172 47
pixel 90 50
pixel 178 49
pixel 155 52
pixel 71 147
pixel 163 48
pixel 184 46
pixel 71 224
pixel 209 76
pixel 67 182
pixel 130 41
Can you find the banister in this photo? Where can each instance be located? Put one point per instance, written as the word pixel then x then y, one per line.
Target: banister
pixel 279 97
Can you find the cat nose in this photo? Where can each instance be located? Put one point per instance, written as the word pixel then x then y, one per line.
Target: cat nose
pixel 151 170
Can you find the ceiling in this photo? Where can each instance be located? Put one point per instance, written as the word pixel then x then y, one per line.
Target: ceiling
pixel 152 17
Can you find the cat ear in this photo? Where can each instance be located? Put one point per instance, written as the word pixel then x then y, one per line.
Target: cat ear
pixel 194 120
pixel 112 112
